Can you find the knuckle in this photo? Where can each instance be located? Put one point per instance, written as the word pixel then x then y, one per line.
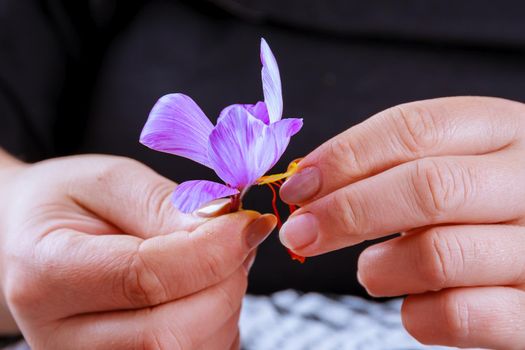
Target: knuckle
pixel 349 213
pixel 157 200
pixel 108 172
pixel 419 129
pixel 456 315
pixel 216 261
pixel 410 319
pixel 212 266
pixel 140 284
pixel 440 187
pixel 20 292
pixel 435 260
pixel 111 169
pixel 344 152
pixel 451 317
pixel 28 278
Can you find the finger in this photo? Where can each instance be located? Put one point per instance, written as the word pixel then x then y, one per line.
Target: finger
pixel 484 317
pixel 236 345
pixel 225 337
pixel 127 194
pixel 78 273
pixel 183 324
pixel 443 126
pixel 458 189
pixel 444 257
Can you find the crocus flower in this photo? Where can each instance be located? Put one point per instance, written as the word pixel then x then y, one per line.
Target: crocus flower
pixel 246 142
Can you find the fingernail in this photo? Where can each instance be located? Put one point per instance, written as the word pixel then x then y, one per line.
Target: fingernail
pixel 214 208
pixel 301 186
pixel 248 263
pixel 299 231
pixel 259 229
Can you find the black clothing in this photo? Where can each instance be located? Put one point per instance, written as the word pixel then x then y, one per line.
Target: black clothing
pixel 81 76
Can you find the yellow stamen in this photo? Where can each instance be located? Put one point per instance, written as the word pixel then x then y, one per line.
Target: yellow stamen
pixel 268 179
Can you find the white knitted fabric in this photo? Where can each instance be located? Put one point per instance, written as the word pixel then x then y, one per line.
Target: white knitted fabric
pixel 289 320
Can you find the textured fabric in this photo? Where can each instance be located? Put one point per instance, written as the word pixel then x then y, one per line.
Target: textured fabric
pixel 20 345
pixel 289 320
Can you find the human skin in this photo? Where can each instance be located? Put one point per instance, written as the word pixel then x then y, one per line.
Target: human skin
pixel 94 256
pixel 450 174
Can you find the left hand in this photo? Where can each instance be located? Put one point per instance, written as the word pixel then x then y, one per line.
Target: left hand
pixel 450 174
pixel 93 255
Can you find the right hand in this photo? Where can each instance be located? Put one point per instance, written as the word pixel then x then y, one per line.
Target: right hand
pixel 94 256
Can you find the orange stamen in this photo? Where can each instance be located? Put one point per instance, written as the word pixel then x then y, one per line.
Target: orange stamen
pixel 292 169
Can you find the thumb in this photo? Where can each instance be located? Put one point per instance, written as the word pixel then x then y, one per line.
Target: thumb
pixel 127 194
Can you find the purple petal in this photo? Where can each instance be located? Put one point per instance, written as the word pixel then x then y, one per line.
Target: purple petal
pixel 192 195
pixel 271 83
pixel 178 126
pixel 259 111
pixel 283 130
pixel 288 127
pixel 242 148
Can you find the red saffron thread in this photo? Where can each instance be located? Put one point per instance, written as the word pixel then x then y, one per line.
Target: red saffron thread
pixel 294 256
pixel 274 206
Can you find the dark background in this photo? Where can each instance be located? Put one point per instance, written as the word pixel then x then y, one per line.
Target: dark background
pixel 81 76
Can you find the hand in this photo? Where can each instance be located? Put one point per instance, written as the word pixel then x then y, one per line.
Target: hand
pixel 94 256
pixel 450 174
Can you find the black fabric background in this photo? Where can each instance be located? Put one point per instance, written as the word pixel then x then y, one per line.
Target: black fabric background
pixel 81 76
